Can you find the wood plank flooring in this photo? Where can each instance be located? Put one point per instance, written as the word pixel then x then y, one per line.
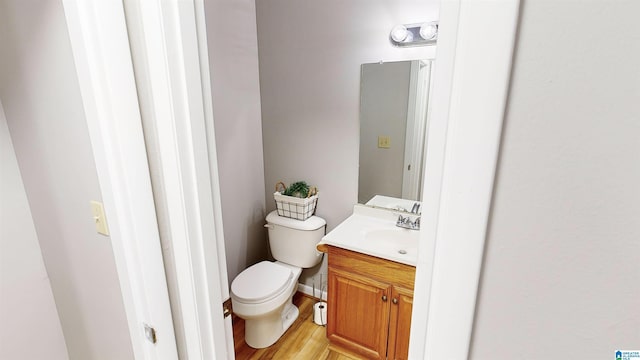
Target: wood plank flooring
pixel 304 340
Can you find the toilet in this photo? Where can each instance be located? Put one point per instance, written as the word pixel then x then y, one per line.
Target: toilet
pixel 262 294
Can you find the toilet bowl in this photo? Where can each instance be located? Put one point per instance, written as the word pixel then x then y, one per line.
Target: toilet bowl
pixel 262 294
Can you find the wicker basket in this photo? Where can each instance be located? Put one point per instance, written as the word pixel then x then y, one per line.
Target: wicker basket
pixel 295 207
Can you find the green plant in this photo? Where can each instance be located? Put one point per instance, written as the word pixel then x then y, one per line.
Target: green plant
pixel 298 189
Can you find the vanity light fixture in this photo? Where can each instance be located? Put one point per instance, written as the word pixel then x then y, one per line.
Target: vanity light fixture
pixel 414 34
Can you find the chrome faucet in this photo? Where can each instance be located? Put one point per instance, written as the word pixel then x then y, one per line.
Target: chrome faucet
pixel 416 208
pixel 406 222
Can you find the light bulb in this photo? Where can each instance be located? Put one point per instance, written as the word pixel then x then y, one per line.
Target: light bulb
pixel 399 33
pixel 428 31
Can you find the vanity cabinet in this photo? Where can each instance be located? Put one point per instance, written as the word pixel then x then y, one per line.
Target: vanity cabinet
pixel 369 305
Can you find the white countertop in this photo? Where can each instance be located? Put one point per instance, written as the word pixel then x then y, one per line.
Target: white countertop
pixel 392 203
pixel 374 232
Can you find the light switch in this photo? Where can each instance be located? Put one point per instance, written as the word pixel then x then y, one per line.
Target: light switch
pixel 384 142
pixel 98 215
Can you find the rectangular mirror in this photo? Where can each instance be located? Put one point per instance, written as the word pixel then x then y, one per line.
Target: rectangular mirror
pixel 394 100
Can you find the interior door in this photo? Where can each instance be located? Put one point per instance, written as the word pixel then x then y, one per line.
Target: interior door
pixel 417 118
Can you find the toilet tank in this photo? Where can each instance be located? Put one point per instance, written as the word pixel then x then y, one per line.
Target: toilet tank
pixel 294 241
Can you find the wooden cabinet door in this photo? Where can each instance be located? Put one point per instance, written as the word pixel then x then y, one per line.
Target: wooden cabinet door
pixel 358 314
pixel 400 322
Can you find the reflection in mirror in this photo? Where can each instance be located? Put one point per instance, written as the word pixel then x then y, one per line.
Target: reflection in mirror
pixel 393 125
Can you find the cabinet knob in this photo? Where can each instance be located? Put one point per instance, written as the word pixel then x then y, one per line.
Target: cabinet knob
pixel 395 301
pixel 384 297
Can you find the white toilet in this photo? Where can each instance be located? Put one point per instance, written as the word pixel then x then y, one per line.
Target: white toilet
pixel 262 294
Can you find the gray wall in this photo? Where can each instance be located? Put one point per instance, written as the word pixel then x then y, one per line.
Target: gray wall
pixel 384 97
pixel 45 116
pixel 233 61
pixel 561 276
pixel 26 300
pixel 310 57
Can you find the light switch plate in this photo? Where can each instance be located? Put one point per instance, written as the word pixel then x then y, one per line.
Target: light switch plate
pixel 98 215
pixel 384 142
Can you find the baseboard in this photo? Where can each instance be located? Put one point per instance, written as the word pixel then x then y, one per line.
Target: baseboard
pixel 308 290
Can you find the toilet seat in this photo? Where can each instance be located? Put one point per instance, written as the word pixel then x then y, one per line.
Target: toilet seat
pixel 261 282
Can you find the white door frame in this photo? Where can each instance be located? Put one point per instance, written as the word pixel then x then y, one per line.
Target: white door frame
pixel 174 47
pixel 175 43
pixel 416 129
pixel 100 46
pixel 472 74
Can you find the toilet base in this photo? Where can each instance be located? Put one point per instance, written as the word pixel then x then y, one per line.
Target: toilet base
pixel 289 315
pixel 265 331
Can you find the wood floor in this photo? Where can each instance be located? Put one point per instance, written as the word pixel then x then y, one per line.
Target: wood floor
pixel 303 341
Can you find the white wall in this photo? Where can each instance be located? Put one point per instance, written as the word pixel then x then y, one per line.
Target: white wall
pixel 233 60
pixel 45 116
pixel 310 57
pixel 561 276
pixel 26 301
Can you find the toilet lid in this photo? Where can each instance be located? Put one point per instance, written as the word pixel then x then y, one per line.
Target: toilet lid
pixel 261 282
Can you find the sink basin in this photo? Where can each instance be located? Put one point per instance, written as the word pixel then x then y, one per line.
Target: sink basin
pixel 402 241
pixel 374 232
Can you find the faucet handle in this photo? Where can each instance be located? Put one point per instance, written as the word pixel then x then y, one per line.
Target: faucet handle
pixel 416 208
pixel 405 222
